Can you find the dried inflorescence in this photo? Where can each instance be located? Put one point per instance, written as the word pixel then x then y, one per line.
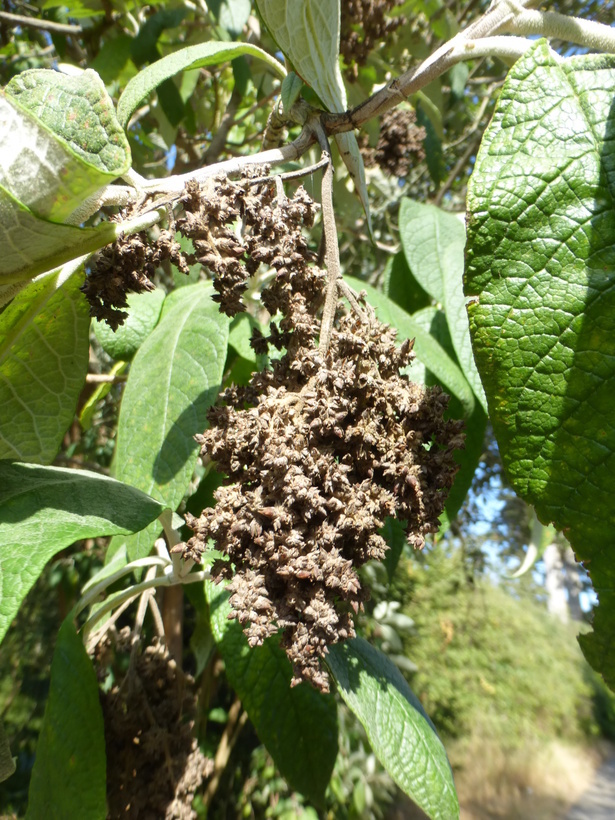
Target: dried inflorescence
pixel 364 25
pixel 127 266
pixel 237 226
pixel 318 451
pixel 400 143
pixel 234 228
pixel 149 721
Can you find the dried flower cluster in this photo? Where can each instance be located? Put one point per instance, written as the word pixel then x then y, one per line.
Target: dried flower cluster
pixel 365 24
pixel 400 143
pixel 270 232
pixel 318 451
pixel 127 266
pixel 154 764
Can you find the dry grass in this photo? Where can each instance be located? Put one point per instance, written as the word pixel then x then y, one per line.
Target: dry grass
pixel 535 781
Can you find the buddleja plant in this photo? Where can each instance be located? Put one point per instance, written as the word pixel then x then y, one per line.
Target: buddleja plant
pixel 332 435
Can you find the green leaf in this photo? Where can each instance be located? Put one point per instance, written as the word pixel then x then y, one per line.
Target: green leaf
pixel 232 15
pixel 433 242
pixel 427 349
pixel 7 764
pixel 144 46
pixel 434 155
pixel 31 245
pixel 240 333
pixel 468 460
pixel 353 160
pixel 541 259
pixel 308 33
pixel 541 537
pixel 394 533
pixel 290 91
pixel 46 509
pixel 112 63
pixel 69 775
pixel 400 285
pixel 297 725
pixel 143 314
pixel 190 57
pixel 44 345
pixel 400 733
pixel 174 379
pixel 60 140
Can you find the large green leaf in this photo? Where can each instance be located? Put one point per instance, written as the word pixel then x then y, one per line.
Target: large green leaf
pixel 143 314
pixel 69 775
pixel 400 733
pixel 31 245
pixel 308 33
pixel 45 509
pixel 433 242
pixel 427 349
pixel 44 348
pixel 60 140
pixel 187 58
pixel 174 379
pixel 541 259
pixel 297 725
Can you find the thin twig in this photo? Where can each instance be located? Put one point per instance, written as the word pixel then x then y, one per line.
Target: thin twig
pixel 105 378
pixel 492 22
pixel 300 172
pixel 234 723
pixel 332 251
pixel 353 298
pixel 35 22
pixel 457 169
pixel 96 637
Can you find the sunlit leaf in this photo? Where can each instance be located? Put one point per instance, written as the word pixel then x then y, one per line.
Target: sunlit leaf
pixel 541 262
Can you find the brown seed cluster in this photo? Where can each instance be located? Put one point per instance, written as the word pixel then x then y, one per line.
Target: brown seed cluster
pixel 365 24
pixel 318 451
pixel 154 764
pixel 127 266
pixel 400 143
pixel 237 226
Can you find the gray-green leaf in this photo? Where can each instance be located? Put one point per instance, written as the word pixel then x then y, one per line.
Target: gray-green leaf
pixel 43 362
pixel 45 509
pixel 174 379
pixel 60 140
pixel 210 53
pixel 143 314
pixel 31 245
pixel 433 242
pixel 69 775
pixel 7 764
pixel 308 33
pixel 400 733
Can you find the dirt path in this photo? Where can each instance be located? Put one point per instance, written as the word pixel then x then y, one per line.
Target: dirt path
pixel 598 802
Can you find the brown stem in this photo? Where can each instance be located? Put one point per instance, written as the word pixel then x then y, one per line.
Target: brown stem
pixel 234 724
pixel 45 25
pixel 332 251
pixel 173 620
